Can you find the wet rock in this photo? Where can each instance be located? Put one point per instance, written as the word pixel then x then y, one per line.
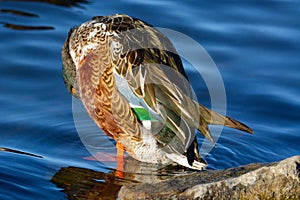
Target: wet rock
pixel 256 181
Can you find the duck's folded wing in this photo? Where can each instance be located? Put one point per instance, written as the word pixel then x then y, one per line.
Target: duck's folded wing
pixel 147 60
pixel 154 72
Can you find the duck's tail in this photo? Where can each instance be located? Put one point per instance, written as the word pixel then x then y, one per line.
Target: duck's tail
pixel 208 116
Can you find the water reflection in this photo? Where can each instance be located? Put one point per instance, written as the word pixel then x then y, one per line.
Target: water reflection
pixel 18 12
pixel 20 26
pixel 86 184
pixel 23 27
pixel 90 184
pixel 67 3
pixel 14 12
pixel 19 152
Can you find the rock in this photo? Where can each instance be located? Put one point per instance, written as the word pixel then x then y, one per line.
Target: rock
pixel 275 181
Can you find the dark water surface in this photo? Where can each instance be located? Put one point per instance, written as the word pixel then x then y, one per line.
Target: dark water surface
pixel 255 45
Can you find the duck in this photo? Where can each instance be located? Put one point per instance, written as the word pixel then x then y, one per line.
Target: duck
pixel 133 85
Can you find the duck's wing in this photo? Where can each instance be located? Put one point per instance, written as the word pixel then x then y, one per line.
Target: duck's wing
pixel 154 72
pixel 150 65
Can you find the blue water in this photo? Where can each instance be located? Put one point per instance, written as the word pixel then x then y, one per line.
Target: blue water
pixel 255 45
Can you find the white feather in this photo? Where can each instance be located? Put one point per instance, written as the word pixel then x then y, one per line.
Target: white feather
pixel 182 160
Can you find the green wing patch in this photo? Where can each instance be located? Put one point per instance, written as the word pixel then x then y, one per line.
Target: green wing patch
pixel 142 114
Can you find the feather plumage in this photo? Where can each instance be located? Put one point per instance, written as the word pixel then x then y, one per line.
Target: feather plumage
pixel 146 60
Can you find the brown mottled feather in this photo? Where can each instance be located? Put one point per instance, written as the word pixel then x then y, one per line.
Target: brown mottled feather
pixel 104 103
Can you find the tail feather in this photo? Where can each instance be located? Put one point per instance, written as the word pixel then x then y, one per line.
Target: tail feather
pixel 210 117
pixel 203 128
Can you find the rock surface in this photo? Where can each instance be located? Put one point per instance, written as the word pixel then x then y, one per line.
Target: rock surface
pixel 275 181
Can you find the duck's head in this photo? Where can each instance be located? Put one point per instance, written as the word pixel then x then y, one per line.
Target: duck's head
pixel 69 68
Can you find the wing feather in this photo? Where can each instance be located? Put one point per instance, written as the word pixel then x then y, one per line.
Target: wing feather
pixel 147 52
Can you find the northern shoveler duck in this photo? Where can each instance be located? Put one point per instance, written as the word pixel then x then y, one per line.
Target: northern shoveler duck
pixel 133 85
